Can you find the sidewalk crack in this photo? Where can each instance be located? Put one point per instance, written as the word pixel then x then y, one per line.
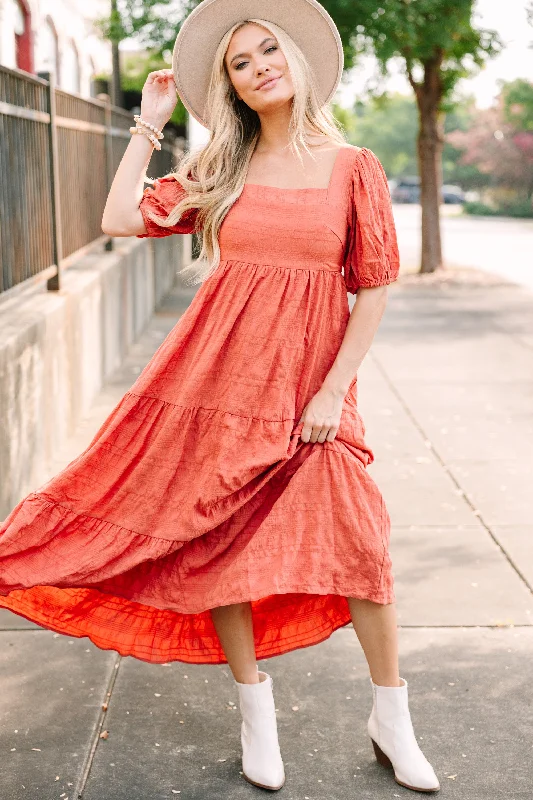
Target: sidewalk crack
pixel 431 446
pixel 97 730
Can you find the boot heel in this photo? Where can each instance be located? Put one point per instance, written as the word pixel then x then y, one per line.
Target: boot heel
pixel 380 755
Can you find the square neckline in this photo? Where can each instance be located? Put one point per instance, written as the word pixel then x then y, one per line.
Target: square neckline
pixel 322 189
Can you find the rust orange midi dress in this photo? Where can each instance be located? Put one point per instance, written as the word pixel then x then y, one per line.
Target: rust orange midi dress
pixel 197 490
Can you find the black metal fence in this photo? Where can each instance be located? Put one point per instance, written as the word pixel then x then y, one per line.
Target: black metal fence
pixel 58 155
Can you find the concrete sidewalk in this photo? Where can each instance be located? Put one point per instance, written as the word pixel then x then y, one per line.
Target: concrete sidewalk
pixel 446 394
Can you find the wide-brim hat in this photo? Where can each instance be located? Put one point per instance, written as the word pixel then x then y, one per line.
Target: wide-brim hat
pixel 306 21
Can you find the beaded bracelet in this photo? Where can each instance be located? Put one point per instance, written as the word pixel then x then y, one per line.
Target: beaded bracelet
pixel 147 129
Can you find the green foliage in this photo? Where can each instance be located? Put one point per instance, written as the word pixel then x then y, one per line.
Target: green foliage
pixel 518 104
pixel 424 33
pixel 387 125
pixel 475 207
pixel 154 23
pixel 468 176
pixel 461 113
pixel 520 209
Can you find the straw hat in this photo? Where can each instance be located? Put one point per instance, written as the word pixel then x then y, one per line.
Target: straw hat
pixel 306 21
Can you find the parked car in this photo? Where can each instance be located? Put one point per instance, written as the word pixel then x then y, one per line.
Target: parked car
pixel 407 190
pixel 452 194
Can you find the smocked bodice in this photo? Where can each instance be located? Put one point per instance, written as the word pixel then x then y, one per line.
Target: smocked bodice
pixel 292 228
pixel 346 227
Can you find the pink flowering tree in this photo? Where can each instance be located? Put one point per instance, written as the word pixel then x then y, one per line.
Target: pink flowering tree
pixel 499 141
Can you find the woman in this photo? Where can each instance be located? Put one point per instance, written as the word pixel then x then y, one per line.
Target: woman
pixel 223 512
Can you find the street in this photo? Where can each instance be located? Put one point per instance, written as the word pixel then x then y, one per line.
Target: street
pixel 498 245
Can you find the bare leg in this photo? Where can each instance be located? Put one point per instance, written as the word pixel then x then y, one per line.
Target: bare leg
pixel 376 628
pixel 234 627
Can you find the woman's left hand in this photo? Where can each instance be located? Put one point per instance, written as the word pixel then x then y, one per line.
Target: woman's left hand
pixel 322 416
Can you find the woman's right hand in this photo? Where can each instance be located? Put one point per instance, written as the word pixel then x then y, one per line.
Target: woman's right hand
pixel 159 97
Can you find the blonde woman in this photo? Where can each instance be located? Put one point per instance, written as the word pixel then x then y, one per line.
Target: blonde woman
pixel 223 512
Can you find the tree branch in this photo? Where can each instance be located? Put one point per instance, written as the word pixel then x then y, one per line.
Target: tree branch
pixel 407 54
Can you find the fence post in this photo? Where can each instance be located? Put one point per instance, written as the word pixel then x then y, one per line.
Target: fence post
pixel 53 283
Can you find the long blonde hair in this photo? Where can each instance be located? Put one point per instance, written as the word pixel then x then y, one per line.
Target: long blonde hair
pixel 218 171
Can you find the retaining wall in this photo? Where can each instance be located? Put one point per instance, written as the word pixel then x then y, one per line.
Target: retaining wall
pixel 57 349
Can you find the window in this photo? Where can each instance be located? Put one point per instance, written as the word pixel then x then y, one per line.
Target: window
pixel 71 68
pixel 51 49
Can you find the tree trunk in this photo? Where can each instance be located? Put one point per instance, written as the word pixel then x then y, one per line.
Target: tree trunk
pixel 430 143
pixel 116 88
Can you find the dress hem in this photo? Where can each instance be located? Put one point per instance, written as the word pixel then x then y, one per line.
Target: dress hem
pixel 287 645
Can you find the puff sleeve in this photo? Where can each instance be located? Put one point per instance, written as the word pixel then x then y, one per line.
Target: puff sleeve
pixel 372 257
pixel 161 199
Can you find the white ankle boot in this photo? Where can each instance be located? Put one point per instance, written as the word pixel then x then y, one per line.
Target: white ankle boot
pixel 262 764
pixel 393 738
